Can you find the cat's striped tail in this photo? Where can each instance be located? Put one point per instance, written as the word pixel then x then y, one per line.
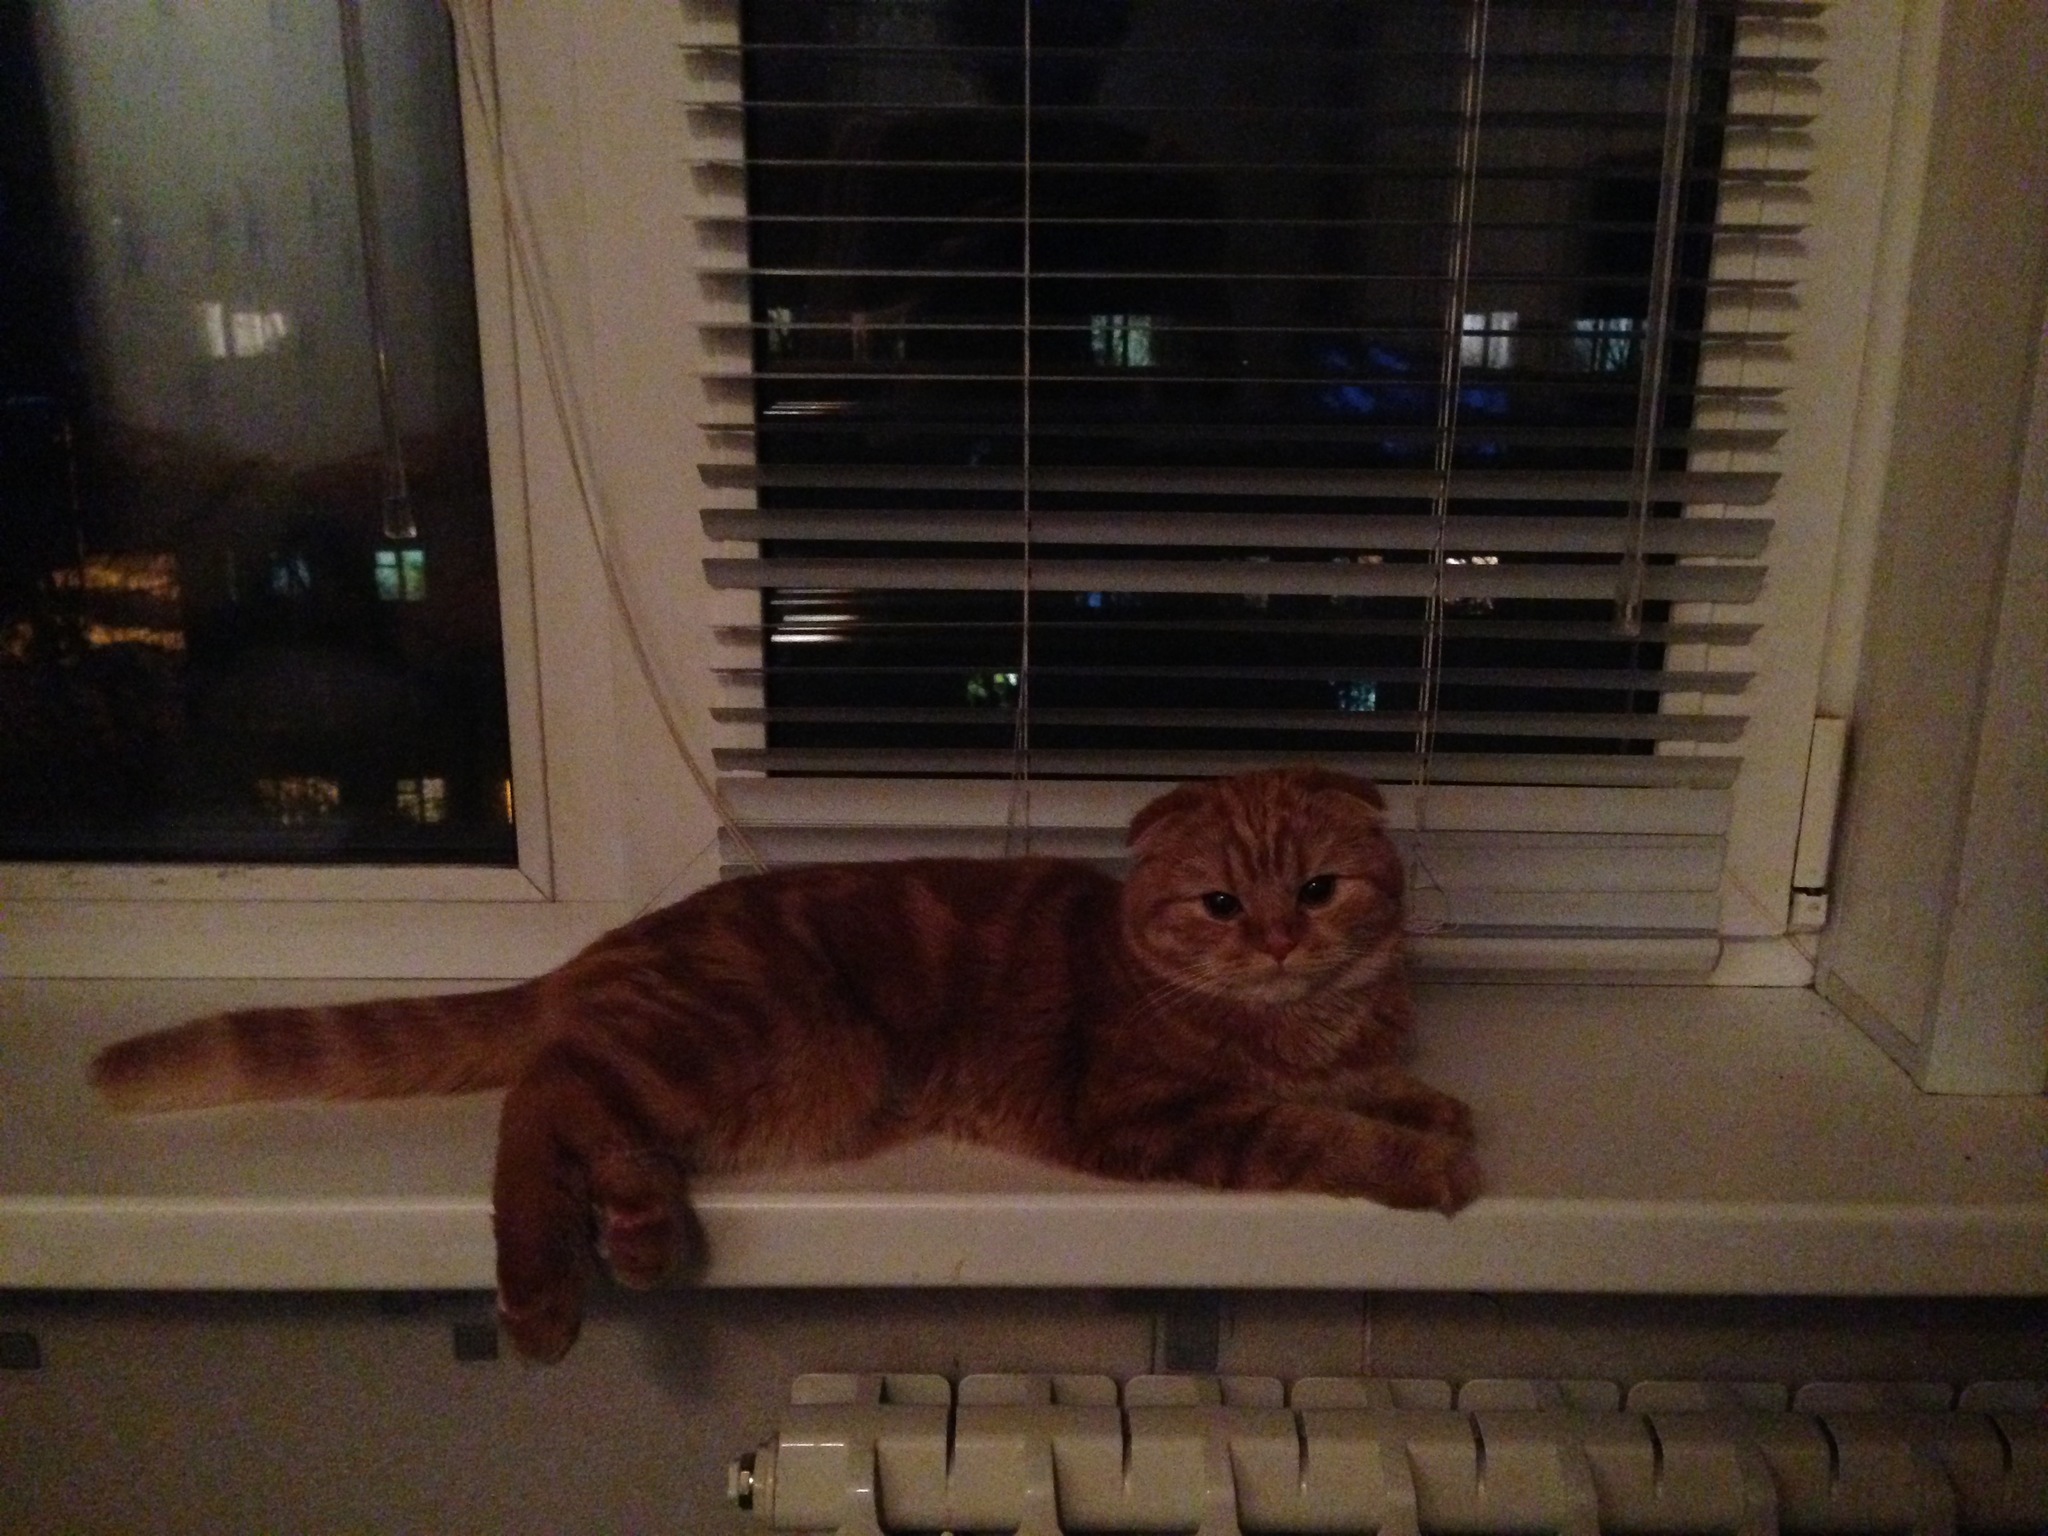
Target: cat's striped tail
pixel 373 1050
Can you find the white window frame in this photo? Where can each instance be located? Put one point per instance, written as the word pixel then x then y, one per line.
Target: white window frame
pixel 609 819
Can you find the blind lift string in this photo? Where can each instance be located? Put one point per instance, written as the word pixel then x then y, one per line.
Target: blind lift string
pixel 568 412
pixel 1017 818
pixel 1449 377
pixel 1657 322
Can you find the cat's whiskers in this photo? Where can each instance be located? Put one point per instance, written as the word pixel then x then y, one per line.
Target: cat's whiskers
pixel 1166 992
pixel 1212 990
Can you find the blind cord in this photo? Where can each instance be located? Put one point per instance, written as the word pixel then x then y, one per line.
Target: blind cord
pixel 1017 821
pixel 1678 106
pixel 1450 376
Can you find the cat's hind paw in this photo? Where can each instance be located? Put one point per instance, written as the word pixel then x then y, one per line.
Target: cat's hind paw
pixel 542 1326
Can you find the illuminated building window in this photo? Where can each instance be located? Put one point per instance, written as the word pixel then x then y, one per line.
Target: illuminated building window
pixel 129 599
pixel 1358 696
pixel 402 575
pixel 298 798
pixel 1604 343
pixel 992 688
pixel 226 333
pixel 1488 340
pixel 147 575
pixel 291 575
pixel 423 800
pixel 1121 341
pixel 135 634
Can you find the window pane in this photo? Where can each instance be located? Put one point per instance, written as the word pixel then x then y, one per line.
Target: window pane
pixel 248 605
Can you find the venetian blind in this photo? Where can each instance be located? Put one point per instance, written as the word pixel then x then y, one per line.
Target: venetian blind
pixel 1100 393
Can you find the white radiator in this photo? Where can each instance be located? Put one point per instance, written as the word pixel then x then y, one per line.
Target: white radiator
pixel 1216 1456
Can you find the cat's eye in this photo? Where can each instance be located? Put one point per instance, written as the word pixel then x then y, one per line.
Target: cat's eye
pixel 1221 905
pixel 1316 892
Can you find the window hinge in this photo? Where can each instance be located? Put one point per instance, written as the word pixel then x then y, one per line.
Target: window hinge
pixel 1824 759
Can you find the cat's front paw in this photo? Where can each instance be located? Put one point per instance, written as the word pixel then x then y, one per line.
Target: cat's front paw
pixel 1460 1180
pixel 1442 1115
pixel 1430 1173
pixel 1399 1099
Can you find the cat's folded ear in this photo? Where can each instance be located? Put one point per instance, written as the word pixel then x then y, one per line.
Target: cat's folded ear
pixel 1329 781
pixel 1202 794
pixel 1170 806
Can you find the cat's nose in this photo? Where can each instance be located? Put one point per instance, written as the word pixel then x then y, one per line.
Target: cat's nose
pixel 1278 943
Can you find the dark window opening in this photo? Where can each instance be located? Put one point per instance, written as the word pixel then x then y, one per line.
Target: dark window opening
pixel 1165 241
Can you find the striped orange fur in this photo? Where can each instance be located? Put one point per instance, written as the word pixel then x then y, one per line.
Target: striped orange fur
pixel 1231 1015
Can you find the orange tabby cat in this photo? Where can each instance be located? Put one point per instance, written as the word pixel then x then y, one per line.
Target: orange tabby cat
pixel 1230 1015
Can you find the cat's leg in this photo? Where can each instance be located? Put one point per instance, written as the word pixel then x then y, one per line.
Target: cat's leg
pixel 575 1139
pixel 1246 1142
pixel 1389 1093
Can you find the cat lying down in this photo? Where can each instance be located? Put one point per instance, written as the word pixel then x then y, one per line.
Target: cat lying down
pixel 1231 1015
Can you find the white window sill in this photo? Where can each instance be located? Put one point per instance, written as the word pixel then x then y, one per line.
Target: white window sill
pixel 1642 1139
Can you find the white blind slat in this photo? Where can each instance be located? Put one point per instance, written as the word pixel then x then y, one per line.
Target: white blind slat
pixel 1729 683
pixel 1699 727
pixel 1106 807
pixel 752 636
pixel 1732 538
pixel 1255 578
pixel 1522 865
pixel 1746 488
pixel 1523 771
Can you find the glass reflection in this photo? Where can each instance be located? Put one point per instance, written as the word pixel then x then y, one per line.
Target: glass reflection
pixel 216 640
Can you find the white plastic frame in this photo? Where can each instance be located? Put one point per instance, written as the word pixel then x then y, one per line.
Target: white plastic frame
pixel 561 683
pixel 591 134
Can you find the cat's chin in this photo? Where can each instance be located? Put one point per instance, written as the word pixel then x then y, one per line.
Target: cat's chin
pixel 1273 989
